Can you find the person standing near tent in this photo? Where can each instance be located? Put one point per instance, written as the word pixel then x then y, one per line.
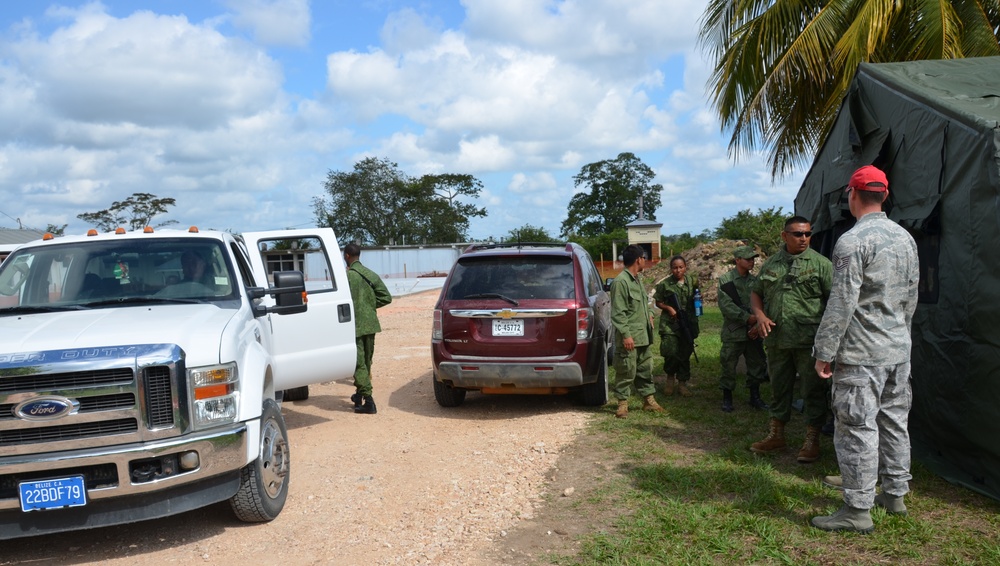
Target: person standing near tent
pixel 368 292
pixel 739 330
pixel 788 299
pixel 866 331
pixel 678 326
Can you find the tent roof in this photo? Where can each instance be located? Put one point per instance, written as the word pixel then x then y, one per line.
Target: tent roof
pixel 961 87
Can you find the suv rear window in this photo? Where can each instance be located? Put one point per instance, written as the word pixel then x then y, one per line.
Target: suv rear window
pixel 516 277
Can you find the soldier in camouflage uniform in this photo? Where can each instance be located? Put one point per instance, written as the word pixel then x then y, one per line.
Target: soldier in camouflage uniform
pixel 866 331
pixel 674 296
pixel 633 323
pixel 368 292
pixel 788 300
pixel 734 302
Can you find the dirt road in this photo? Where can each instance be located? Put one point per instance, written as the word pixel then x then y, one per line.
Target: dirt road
pixel 414 484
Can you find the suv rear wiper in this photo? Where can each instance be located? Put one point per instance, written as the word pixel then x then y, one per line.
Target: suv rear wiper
pixel 492 296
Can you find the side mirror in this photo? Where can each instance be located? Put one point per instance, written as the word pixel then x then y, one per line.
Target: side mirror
pixel 607 283
pixel 289 294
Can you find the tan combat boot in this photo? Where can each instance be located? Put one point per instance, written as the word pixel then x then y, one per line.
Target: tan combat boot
pixel 846 519
pixel 774 441
pixel 834 482
pixel 650 404
pixel 682 388
pixel 622 411
pixel 810 448
pixel 669 385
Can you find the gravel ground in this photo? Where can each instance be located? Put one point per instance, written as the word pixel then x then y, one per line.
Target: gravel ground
pixel 414 484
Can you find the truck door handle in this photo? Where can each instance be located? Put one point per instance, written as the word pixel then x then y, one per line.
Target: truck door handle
pixel 344 312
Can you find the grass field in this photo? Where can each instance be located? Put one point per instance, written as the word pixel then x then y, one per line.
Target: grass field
pixel 691 492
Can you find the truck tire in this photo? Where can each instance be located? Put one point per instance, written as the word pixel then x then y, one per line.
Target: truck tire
pixel 596 394
pixel 447 396
pixel 264 485
pixel 296 394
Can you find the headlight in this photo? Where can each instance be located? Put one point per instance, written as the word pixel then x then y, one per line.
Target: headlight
pixel 216 394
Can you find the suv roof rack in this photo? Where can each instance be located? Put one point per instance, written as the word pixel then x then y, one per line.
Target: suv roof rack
pixel 568 246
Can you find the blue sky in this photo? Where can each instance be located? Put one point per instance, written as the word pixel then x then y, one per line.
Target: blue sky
pixel 239 109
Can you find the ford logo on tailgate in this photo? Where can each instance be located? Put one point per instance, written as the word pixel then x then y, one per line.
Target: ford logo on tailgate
pixel 46 408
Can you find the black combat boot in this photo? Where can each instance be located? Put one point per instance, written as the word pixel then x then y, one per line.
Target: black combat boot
pixel 755 401
pixel 727 400
pixel 357 398
pixel 368 408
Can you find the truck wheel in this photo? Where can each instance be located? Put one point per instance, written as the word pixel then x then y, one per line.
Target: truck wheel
pixel 264 484
pixel 296 394
pixel 596 394
pixel 447 396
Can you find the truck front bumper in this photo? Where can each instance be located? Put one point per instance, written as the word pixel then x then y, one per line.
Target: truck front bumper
pixel 127 483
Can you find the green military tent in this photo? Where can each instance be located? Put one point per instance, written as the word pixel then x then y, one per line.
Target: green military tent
pixel 934 128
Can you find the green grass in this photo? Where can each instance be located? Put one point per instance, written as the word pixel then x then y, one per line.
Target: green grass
pixel 691 492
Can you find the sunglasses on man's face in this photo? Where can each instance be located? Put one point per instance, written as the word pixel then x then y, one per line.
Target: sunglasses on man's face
pixel 800 234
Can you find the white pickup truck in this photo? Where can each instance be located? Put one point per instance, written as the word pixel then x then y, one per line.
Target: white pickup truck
pixel 141 373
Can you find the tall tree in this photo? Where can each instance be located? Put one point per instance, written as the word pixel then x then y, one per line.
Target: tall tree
pixel 529 233
pixel 781 69
pixel 612 197
pixel 440 214
pixel 56 230
pixel 762 228
pixel 377 203
pixel 136 212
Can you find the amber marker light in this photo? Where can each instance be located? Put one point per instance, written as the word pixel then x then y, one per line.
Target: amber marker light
pixel 209 391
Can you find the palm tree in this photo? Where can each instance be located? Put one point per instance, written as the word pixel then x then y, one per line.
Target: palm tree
pixel 782 67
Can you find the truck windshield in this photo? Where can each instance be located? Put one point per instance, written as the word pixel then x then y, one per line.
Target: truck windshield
pixel 107 273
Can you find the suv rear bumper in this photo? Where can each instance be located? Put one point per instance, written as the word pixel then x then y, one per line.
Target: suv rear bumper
pixel 474 375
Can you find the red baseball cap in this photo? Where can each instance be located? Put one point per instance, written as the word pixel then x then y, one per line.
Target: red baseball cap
pixel 864 178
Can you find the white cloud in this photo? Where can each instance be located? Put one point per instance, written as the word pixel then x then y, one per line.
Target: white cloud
pixel 145 69
pixel 273 22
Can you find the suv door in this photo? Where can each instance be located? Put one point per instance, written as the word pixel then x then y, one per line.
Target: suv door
pixel 317 345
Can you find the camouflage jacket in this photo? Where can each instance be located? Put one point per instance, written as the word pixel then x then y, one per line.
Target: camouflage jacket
pixel 734 324
pixel 368 293
pixel 794 289
pixel 867 320
pixel 630 310
pixel 685 298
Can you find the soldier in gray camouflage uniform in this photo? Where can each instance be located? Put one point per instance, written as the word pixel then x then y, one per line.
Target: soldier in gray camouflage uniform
pixel 866 331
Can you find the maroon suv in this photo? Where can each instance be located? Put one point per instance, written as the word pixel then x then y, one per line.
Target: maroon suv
pixel 522 318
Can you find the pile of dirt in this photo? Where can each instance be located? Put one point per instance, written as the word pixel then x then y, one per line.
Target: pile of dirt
pixel 706 261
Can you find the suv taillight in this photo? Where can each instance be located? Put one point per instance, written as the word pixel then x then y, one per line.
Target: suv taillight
pixel 583 320
pixel 436 332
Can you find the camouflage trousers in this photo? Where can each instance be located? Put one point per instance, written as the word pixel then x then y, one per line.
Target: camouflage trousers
pixel 633 369
pixel 676 354
pixel 872 407
pixel 363 366
pixel 783 364
pixel 752 352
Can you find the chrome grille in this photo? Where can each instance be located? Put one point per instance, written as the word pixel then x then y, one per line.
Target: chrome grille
pixel 124 394
pixel 159 399
pixel 42 382
pixel 66 432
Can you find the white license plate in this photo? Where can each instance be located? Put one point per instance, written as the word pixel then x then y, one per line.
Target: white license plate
pixel 52 494
pixel 512 327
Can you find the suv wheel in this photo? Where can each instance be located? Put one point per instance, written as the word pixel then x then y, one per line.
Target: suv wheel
pixel 447 396
pixel 596 394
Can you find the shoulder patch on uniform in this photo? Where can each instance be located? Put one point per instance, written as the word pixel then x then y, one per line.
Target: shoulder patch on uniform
pixel 840 263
